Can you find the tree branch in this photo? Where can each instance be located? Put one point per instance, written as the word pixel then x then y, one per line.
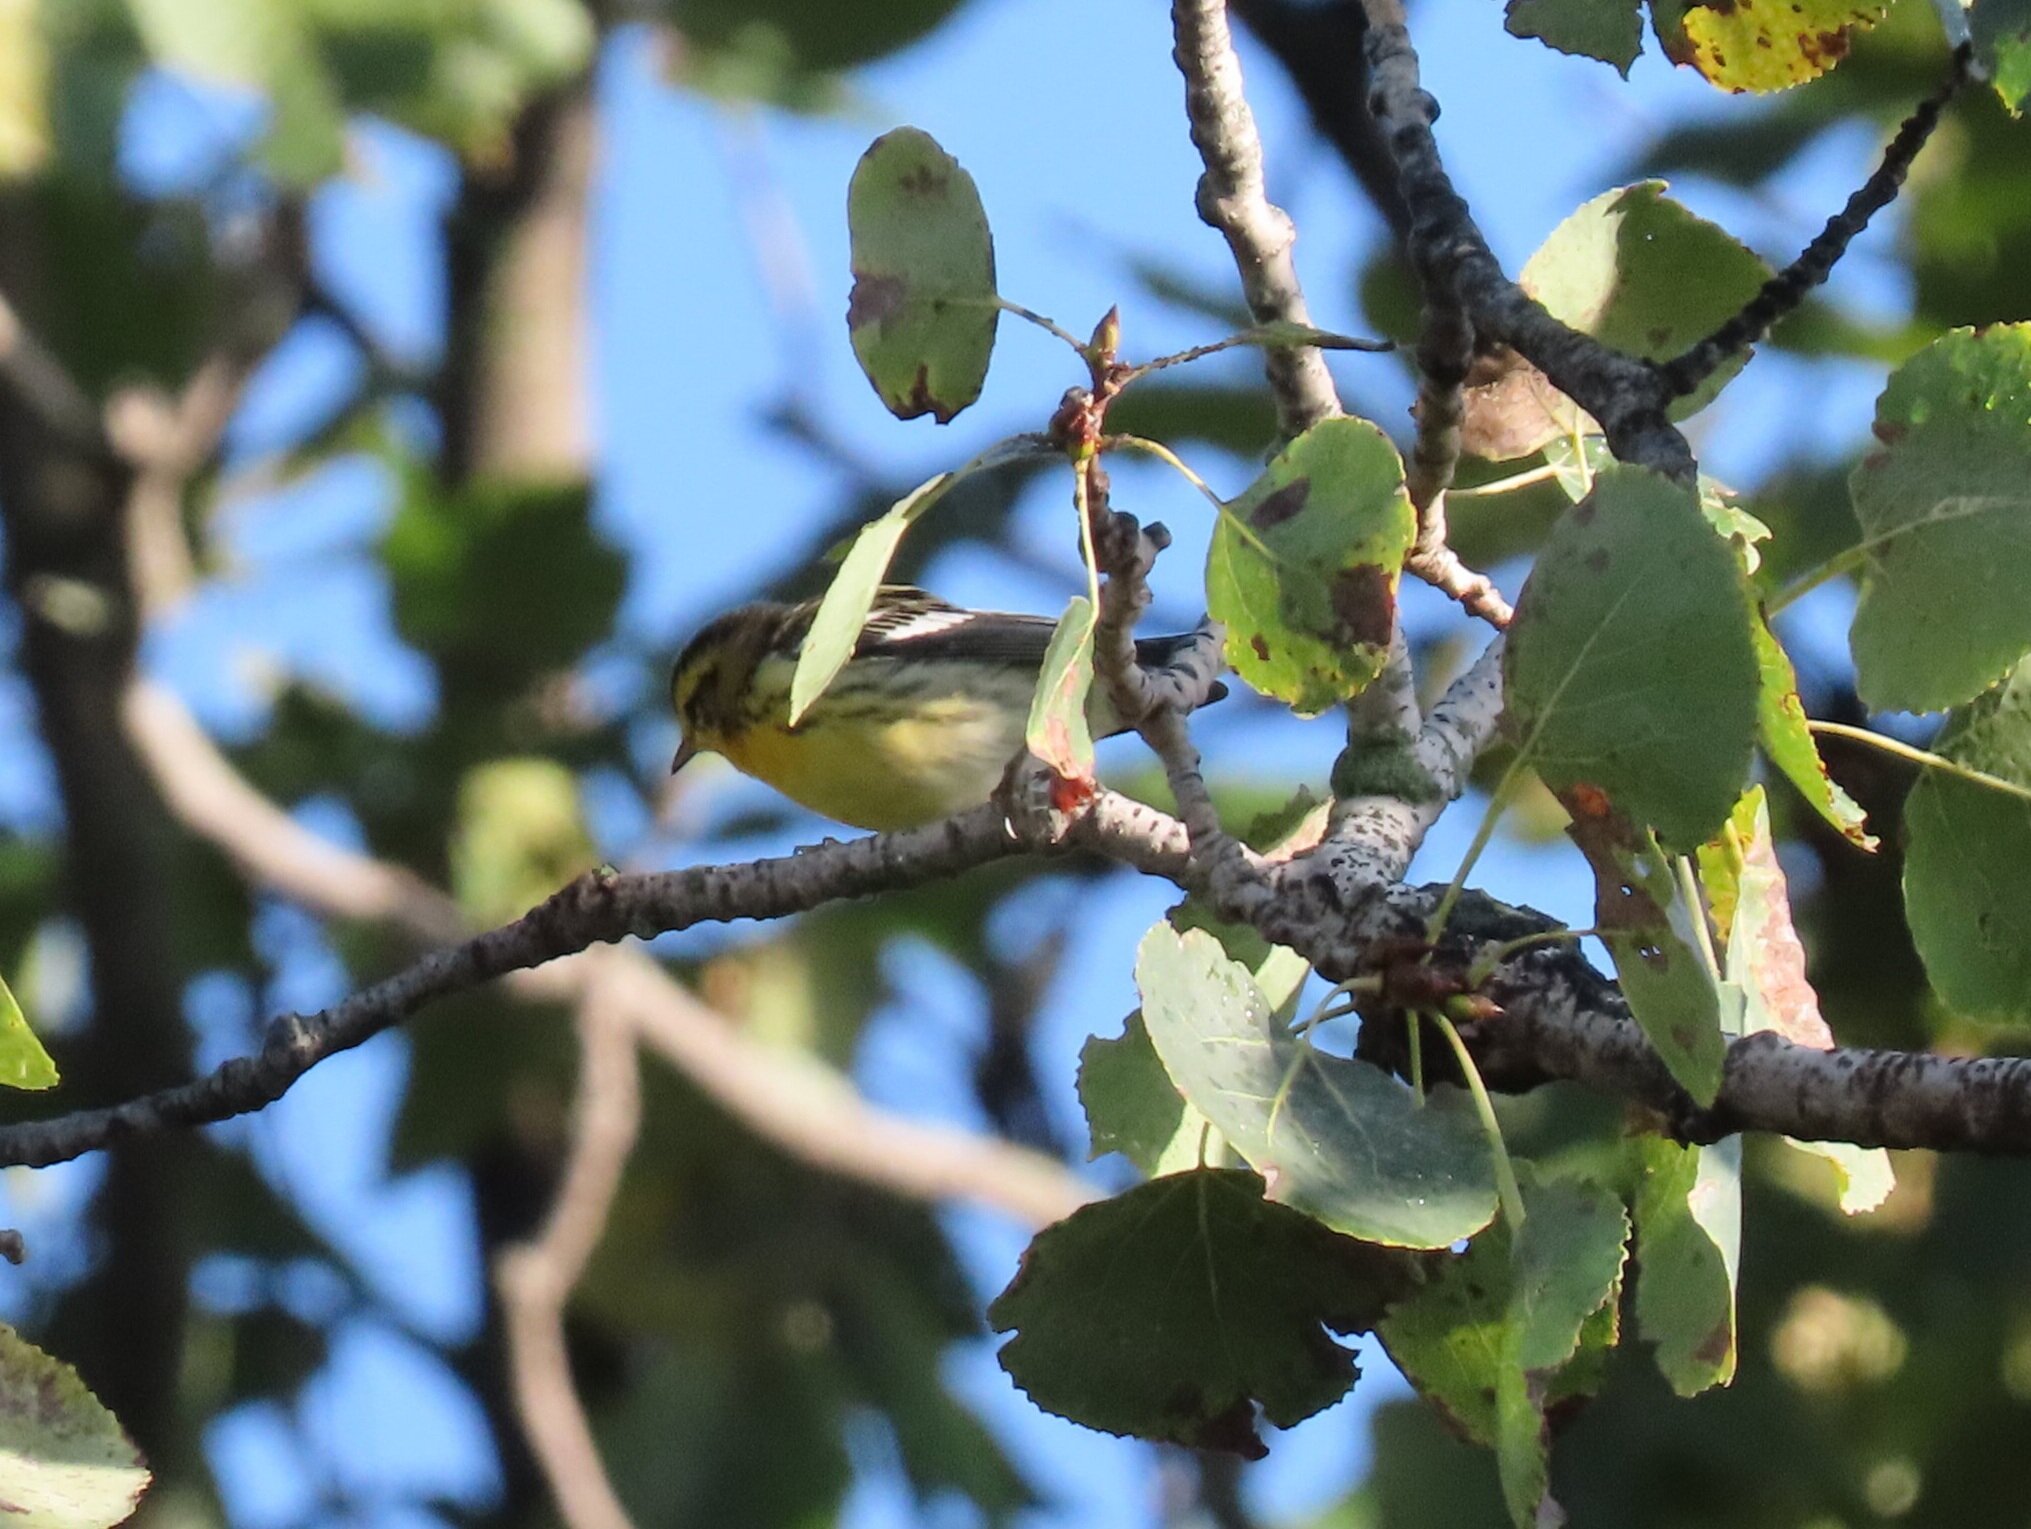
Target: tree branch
pixel 1232 199
pixel 536 1279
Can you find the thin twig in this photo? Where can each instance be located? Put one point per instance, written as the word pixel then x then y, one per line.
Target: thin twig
pixel 1788 288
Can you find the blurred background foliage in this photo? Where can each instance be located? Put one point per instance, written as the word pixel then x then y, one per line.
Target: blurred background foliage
pixel 761 1344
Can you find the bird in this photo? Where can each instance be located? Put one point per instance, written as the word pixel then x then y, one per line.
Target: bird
pixel 921 722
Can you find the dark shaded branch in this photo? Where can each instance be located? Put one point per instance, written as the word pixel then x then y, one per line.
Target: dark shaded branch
pixel 1624 394
pixel 1787 289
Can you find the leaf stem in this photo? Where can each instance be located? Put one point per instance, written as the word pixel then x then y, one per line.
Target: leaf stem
pixel 1696 905
pixel 1840 563
pixel 1415 1035
pixel 1498 803
pixel 1510 1192
pixel 1491 957
pixel 1922 758
pixel 1266 334
pixel 1505 485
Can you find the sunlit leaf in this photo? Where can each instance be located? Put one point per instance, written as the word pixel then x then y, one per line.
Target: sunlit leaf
pixel 1787 741
pixel 1945 507
pixel 64 1461
pixel 1175 1310
pixel 23 1062
pixel 1967 865
pixel 835 630
pixel 922 314
pixel 1632 268
pixel 1764 45
pixel 1338 1139
pixel 1688 1246
pixel 1303 566
pixel 1630 668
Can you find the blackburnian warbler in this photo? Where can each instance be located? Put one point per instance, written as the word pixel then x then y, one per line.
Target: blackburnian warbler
pixel 921 722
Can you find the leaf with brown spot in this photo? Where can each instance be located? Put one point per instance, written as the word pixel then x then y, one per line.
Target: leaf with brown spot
pixel 1766 45
pixel 1058 732
pixel 1304 564
pixel 1644 920
pixel 921 313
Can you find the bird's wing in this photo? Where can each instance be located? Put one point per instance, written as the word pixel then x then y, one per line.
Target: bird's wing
pixel 907 622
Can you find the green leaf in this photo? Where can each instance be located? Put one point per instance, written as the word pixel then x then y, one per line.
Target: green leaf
pixel 1766 961
pixel 922 313
pixel 1303 566
pixel 1173 1311
pixel 1566 1265
pixel 521 835
pixel 1634 269
pixel 1688 1246
pixel 1503 1307
pixel 835 630
pixel 1058 732
pixel 1762 46
pixel 1630 668
pixel 64 1462
pixel 1967 864
pixel 1132 1106
pixel 1338 1139
pixel 1641 913
pixel 1945 507
pixel 24 89
pixel 1610 30
pixel 23 1062
pixel 1782 731
pixel 2002 32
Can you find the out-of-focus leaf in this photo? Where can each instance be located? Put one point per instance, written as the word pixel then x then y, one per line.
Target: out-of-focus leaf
pixel 1610 30
pixel 1765 45
pixel 1631 669
pixel 1177 1309
pixel 922 313
pixel 1058 733
pixel 520 836
pixel 1237 419
pixel 1303 566
pixel 1335 1138
pixel 1967 866
pixel 1945 507
pixel 23 1062
pixel 501 584
pixel 1688 1246
pixel 810 35
pixel 24 86
pixel 64 1461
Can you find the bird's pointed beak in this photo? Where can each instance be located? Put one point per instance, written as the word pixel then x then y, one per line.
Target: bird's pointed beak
pixel 686 752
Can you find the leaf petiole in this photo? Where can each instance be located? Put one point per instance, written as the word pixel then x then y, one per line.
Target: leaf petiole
pixel 1506 1187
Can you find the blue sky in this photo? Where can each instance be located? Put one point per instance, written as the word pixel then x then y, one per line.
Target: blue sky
pixel 718 285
